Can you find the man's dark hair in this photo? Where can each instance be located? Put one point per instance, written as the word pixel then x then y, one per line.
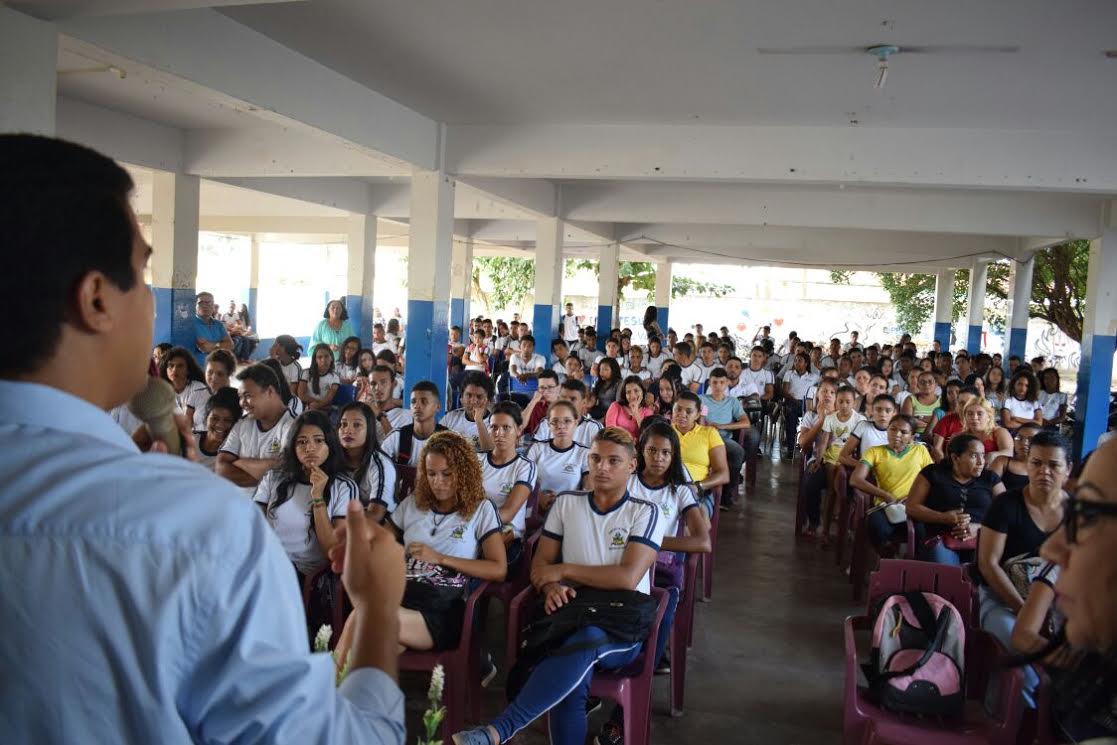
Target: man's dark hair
pixel 262 375
pixel 425 385
pixel 719 372
pixel 479 380
pixel 547 374
pixel 527 337
pixel 385 369
pixel 577 386
pixel 64 214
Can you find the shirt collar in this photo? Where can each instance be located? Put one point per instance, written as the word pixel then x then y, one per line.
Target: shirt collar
pixel 44 407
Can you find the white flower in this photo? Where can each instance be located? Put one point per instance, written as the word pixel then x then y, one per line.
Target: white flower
pixel 438 679
pixel 322 638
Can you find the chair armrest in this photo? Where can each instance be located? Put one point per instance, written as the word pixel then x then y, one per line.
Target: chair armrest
pixel 660 596
pixel 517 612
pixel 910 551
pixel 850 626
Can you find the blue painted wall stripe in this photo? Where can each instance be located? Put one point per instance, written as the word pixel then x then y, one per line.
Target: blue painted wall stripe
pixel 174 316
pixel 661 316
pixel 604 324
pixel 942 334
pixel 973 339
pixel 1017 344
pixel 252 303
pixel 1095 372
pixel 427 334
pixel 457 314
pixel 543 328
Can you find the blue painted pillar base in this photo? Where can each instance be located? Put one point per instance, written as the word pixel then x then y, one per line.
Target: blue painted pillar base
pixel 942 334
pixel 174 316
pixel 427 334
pixel 357 319
pixel 604 324
pixel 1017 345
pixel 1091 408
pixel 543 328
pixel 457 315
pixel 661 316
pixel 973 340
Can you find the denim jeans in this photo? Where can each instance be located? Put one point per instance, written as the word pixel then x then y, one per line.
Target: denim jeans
pixel 561 684
pixel 996 618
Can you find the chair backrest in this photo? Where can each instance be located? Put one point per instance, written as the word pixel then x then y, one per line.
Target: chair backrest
pixel 901 575
pixel 405 476
pixel 346 393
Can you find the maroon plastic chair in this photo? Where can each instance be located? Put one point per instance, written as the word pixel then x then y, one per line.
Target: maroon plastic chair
pixel 801 497
pixel 752 462
pixel 405 480
pixel 462 693
pixel 340 610
pixel 681 633
pixel 512 586
pixel 708 559
pixel 842 499
pixel 860 549
pixel 865 723
pixel 631 686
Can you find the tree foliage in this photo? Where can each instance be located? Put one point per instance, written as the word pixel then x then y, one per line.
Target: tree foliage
pixel 511 279
pixel 1058 291
pixel 640 275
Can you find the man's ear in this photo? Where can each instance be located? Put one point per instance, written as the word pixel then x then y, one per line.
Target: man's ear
pixel 92 303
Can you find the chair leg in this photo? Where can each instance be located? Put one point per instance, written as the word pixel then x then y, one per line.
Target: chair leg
pixel 843 531
pixel 678 663
pixel 455 691
pixel 707 576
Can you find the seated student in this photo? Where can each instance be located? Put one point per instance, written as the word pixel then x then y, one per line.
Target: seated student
pixel 877 386
pixel 1013 469
pixel 689 372
pixel 525 365
pixel 475 357
pixel 560 461
pixel 859 382
pixel 921 405
pixel 220 413
pixel 607 387
pixel 1016 525
pixel 290 400
pixel 1052 402
pixel 612 352
pixel 814 479
pixel 869 433
pixel 536 410
pixel 159 351
pixel 702 448
pixel 477 392
pixel 656 356
pixel 636 366
pixel 181 370
pixel 707 361
pixel 380 397
pixel 666 389
pixel 630 409
pixel 219 371
pixel 574 391
pixel 588 353
pixel 608 540
pixel 394 363
pixel 1022 402
pixel 574 370
pixel 347 359
pixel 662 479
pixel 319 382
pixel 979 420
pixel 758 375
pixel 287 351
pixel 508 477
pixel 380 340
pixel 796 382
pixel 363 462
pixel 951 422
pixel 255 443
pixel 895 467
pixel 837 427
pixel 948 502
pixel 403 445
pixel 726 414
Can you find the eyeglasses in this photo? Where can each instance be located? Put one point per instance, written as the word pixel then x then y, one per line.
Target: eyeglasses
pixel 1078 513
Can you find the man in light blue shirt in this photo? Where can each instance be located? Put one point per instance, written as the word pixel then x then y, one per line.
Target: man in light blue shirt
pixel 209 331
pixel 144 600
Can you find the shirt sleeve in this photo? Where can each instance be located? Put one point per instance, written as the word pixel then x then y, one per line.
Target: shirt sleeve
pixel 737 411
pixel 526 473
pixel 869 457
pixel 263 489
pixel 648 527
pixel 553 527
pixel 249 678
pixel 998 516
pixel 713 439
pixel 341 491
pixel 232 443
pixel 487 522
pixel 390 445
pixel 400 515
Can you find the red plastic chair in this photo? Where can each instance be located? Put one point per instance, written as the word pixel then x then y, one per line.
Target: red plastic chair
pixel 681 633
pixel 865 723
pixel 340 610
pixel 512 586
pixel 708 559
pixel 405 481
pixel 462 692
pixel 843 499
pixel 631 686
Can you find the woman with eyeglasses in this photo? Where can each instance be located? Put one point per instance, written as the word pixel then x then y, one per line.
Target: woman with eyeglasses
pixel 1016 525
pixel 1075 595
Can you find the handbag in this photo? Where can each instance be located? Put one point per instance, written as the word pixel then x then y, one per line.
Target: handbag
pixel 896 513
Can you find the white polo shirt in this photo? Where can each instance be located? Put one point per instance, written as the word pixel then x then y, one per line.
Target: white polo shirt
pixel 457 421
pixel 499 481
pixel 519 365
pixel 448 533
pixel 248 440
pixel 758 378
pixel 378 484
pixel 593 538
pixel 655 364
pixel 559 470
pixel 324 383
pixel 292 519
pixel 692 373
pixel 800 384
pixel 672 501
pixel 584 433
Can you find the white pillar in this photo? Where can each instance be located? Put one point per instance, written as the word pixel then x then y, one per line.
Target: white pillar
pixel 607 276
pixel 976 306
pixel 944 307
pixel 28 73
pixel 428 278
pixel 548 283
pixel 1020 298
pixel 251 296
pixel 360 273
pixel 174 260
pixel 1099 337
pixel 461 277
pixel 663 294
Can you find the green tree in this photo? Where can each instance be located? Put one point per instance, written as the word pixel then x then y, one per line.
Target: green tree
pixel 640 275
pixel 1058 290
pixel 511 280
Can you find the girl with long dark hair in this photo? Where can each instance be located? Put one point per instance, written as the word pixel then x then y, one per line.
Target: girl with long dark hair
pixel 364 463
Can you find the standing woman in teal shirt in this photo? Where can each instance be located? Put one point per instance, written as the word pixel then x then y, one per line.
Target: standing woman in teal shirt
pixel 334 328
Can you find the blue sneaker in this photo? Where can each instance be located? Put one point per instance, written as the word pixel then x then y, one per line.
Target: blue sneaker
pixel 479 736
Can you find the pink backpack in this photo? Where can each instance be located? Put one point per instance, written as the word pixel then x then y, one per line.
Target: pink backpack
pixel 917 663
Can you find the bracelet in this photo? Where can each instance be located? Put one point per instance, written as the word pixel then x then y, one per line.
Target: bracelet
pixel 317 502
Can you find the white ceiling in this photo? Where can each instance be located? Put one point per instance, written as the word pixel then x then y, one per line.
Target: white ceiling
pixel 696 61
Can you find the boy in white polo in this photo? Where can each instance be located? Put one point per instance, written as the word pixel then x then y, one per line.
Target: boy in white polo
pixel 255 443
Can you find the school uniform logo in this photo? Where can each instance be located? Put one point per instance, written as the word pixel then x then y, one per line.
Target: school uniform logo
pixel 275 447
pixel 568 468
pixel 457 533
pixel 505 488
pixel 665 508
pixel 617 539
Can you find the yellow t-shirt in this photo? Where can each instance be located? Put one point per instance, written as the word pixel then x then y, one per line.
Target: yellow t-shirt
pixel 695 447
pixel 896 472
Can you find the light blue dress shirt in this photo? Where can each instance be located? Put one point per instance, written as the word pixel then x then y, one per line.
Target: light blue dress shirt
pixel 144 600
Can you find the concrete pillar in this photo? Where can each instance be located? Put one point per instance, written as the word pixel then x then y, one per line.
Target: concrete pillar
pixel 608 270
pixel 461 276
pixel 548 283
pixel 174 260
pixel 663 294
pixel 360 275
pixel 975 307
pixel 1099 338
pixel 1020 297
pixel 252 295
pixel 28 73
pixel 428 278
pixel 944 307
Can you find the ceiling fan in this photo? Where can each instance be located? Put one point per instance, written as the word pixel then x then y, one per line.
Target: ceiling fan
pixel 883 52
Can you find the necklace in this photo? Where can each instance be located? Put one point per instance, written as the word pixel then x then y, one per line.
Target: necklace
pixel 438 523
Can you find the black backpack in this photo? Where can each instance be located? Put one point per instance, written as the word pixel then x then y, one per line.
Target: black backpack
pixel 407 440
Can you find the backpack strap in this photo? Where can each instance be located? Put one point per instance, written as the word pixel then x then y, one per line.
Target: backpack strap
pixel 927 620
pixel 406 438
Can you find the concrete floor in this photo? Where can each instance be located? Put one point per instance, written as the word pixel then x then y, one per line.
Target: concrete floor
pixel 766 666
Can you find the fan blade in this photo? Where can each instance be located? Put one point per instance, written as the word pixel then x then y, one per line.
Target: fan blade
pixel 811 50
pixel 960 49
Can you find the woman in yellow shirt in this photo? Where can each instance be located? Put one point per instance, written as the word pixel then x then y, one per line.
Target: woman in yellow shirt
pixel 702 449
pixel 895 467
